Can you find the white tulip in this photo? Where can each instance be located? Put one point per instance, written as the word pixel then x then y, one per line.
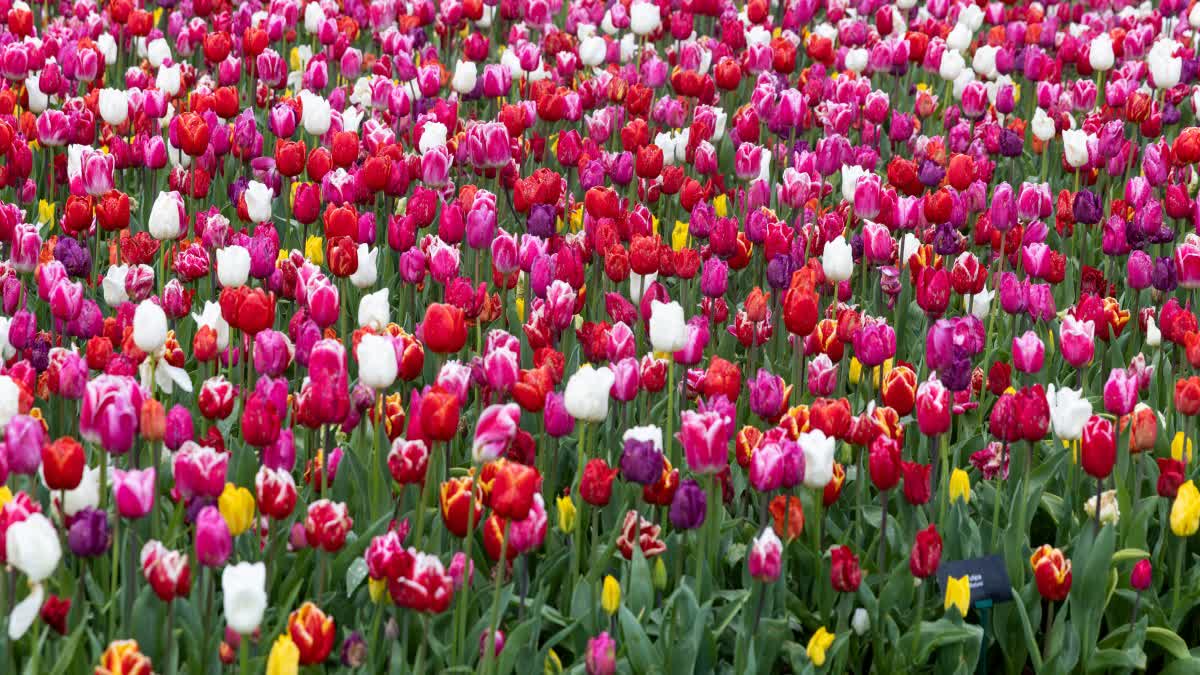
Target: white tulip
pixel 10 400
pixel 169 79
pixel 1069 412
pixel 157 52
pixel 587 393
pixel 317 115
pixel 851 174
pixel 668 328
pixel 1075 147
pixel 952 64
pixel 466 73
pixel 1100 55
pixel 233 266
pixel 373 310
pixel 433 135
pixel 1165 67
pixel 114 106
pixel 377 366
pixel 837 260
pixel 149 327
pixel 367 271
pixel 644 18
pixel 33 547
pixel 314 16
pixel 593 51
pixel 244 587
pixel 165 222
pixel 959 38
pixel 1043 126
pixel 114 285
pixel 258 201
pixel 856 60
pixel 818 458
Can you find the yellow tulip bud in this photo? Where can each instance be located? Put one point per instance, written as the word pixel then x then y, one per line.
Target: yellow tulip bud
pixel 1185 510
pixel 237 508
pixel 566 514
pixel 284 658
pixel 679 235
pixel 1180 446
pixel 610 597
pixel 378 590
pixel 552 665
pixel 314 250
pixel 960 486
pixel 660 574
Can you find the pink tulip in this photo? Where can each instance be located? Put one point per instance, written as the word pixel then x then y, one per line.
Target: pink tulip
pixel 1120 392
pixel 1028 352
pixel 214 543
pixel 765 561
pixel 199 470
pixel 496 428
pixel 1078 340
pixel 822 375
pixel 109 412
pixel 705 438
pixel 133 491
pixel 933 407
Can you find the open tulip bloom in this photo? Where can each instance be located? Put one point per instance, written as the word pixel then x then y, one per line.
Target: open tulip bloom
pixel 663 335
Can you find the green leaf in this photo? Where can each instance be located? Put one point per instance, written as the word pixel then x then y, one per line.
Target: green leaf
pixel 67 655
pixel 1108 660
pixel 642 654
pixel 1092 558
pixel 1169 641
pixel 1129 554
pixel 641 587
pixel 1188 666
pixel 942 633
pixel 355 575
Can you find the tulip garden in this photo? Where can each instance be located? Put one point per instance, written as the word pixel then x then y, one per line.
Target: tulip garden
pixel 599 336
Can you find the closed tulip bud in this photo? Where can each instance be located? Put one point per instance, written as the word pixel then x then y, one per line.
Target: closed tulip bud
pixel 1185 511
pixel 601 655
pixel 845 573
pixel 133 492
pixel 926 553
pixel 916 482
pixel 1142 576
pixel 149 327
pixel 765 559
pixel 237 508
pixel 1099 448
pixel 213 540
pixel 166 571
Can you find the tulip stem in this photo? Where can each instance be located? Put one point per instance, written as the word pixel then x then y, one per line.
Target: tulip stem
pixel 668 438
pixel 376 453
pixel 883 518
pixel 489 655
pixel 944 475
pixel 920 619
pixel 460 616
pixel 112 582
pixel 244 653
pixel 1177 573
pixel 1099 489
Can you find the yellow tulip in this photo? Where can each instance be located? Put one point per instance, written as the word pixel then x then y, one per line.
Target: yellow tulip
pixel 521 309
pixel 46 212
pixel 1181 445
pixel 378 590
pixel 855 373
pixel 960 486
pixel 566 514
pixel 237 508
pixel 660 574
pixel 958 593
pixel 6 495
pixel 1185 511
pixel 284 658
pixel 679 235
pixel 818 644
pixel 721 205
pixel 314 250
pixel 610 597
pixel 552 665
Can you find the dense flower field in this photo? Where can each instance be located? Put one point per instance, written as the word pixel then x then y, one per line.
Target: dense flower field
pixel 599 336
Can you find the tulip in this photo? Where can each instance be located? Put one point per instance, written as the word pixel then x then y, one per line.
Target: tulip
pixel 601 655
pixel 836 260
pixel 327 524
pixel 705 438
pixel 667 327
pixel 213 540
pixel 1052 572
pixel 933 408
pixel 1185 511
pixel 133 492
pixel 689 505
pixel 1099 449
pixel 1069 412
pixel 765 559
pixel 845 574
pixel 237 508
pixel 244 589
pixel 313 633
pixel 149 327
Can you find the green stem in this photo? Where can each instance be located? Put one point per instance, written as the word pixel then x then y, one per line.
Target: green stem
pixel 489 656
